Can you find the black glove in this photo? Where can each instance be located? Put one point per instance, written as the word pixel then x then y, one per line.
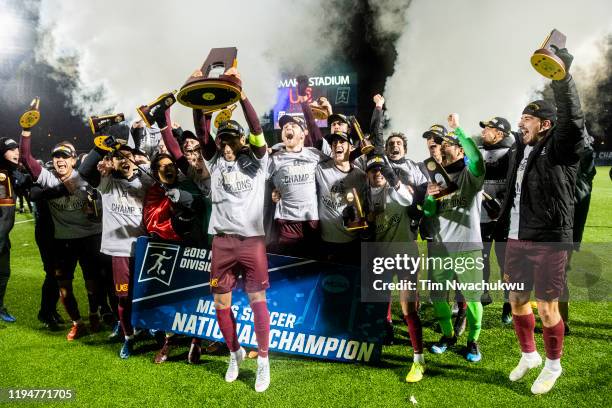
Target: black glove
pixel 389 174
pixel 564 55
pixel 302 84
pixel 160 117
pixel 138 133
pixel 492 207
pixel 246 162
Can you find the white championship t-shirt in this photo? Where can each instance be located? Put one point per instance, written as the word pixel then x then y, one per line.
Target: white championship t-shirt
pixel 515 212
pixel 293 175
pixel 237 199
pixel 333 184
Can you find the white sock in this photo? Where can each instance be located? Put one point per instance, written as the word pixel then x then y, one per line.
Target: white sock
pixel 553 365
pixel 419 358
pixel 531 356
pixel 262 360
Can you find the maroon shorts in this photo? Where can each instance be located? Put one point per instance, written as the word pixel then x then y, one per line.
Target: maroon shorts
pixel 122 266
pixel 232 255
pixel 536 264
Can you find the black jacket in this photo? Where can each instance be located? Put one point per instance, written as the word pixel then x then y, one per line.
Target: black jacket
pixel 549 181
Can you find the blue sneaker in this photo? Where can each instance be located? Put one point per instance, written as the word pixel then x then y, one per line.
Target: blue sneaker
pixel 117 333
pixel 6 316
pixel 473 352
pixel 127 349
pixel 443 344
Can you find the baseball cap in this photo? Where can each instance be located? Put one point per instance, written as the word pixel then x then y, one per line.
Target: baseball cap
pixel 338 135
pixel 435 130
pixel 294 119
pixel 230 128
pixel 451 139
pixel 63 150
pixel 6 143
pixel 376 160
pixel 498 123
pixel 337 117
pixel 541 109
pixel 188 134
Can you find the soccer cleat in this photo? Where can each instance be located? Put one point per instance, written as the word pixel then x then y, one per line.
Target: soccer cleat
pixel 48 321
pixel 117 332
pixel 6 316
pixel 94 323
pixel 460 323
pixel 76 331
pixel 545 381
pixel 524 366
pixel 162 354
pixel 443 344
pixel 416 372
pixel 213 347
pixel 58 318
pixel 262 381
pixel 506 314
pixel 195 351
pixel 127 349
pixel 233 367
pixel 473 352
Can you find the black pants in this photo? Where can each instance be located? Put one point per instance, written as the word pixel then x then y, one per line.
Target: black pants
pixel 50 289
pixel 492 236
pixel 5 271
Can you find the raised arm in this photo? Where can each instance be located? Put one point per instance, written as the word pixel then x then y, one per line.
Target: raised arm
pixel 476 164
pixel 376 123
pixel 171 143
pixel 202 122
pixel 25 151
pixel 314 133
pixel 568 138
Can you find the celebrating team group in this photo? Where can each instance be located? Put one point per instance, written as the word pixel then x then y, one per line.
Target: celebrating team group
pixel 312 195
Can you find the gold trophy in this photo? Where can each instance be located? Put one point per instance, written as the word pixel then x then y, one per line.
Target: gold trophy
pixel 318 111
pixel 360 221
pixel 147 112
pixel 98 123
pixel 31 117
pixel 544 59
pixel 208 88
pixel 366 146
pixel 437 174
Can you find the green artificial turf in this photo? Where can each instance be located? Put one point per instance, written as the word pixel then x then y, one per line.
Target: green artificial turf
pixel 33 357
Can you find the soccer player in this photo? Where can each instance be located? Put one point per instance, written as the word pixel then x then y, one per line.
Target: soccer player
pixel 123 188
pixel 9 160
pixel 387 203
pixel 456 223
pixel 77 237
pixel 335 178
pixel 238 177
pixel 540 208
pixel 494 145
pixel 292 173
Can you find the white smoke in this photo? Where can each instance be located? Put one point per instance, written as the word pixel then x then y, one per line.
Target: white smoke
pixel 472 57
pixel 137 50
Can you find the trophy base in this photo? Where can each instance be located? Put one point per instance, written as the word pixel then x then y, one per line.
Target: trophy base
pixel 99 142
pixel 319 113
pixel 29 119
pixel 367 149
pixel 357 225
pixel 210 94
pixel 548 64
pixel 143 113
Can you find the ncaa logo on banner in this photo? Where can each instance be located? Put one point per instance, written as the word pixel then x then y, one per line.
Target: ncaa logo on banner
pixel 159 262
